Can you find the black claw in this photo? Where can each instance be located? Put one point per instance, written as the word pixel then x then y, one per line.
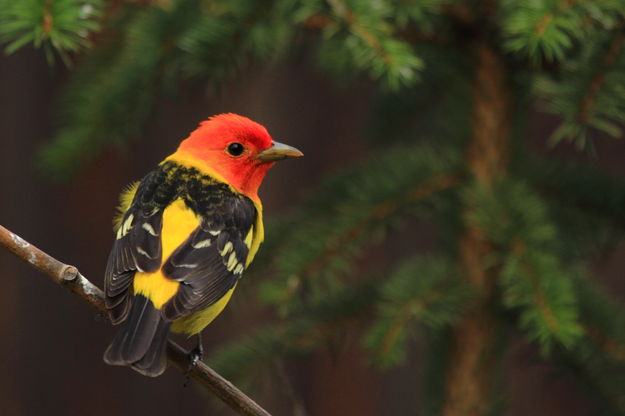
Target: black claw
pixel 195 356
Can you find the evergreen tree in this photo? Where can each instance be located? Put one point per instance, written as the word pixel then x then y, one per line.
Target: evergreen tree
pixel 516 231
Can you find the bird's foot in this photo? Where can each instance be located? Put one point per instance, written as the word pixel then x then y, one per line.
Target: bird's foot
pixel 196 355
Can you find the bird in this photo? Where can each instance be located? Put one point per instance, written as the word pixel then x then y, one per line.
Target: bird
pixel 184 235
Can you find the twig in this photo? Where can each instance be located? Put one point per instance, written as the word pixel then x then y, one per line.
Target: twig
pixel 589 101
pixel 69 277
pixel 519 249
pixel 610 346
pixel 379 212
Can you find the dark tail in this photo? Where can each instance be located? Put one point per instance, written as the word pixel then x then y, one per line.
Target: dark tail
pixel 141 341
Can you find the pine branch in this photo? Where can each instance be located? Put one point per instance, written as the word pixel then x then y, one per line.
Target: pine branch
pixel 599 359
pixel 299 335
pixel 377 213
pixel 359 35
pixel 423 291
pixel 602 318
pixel 610 346
pixel 70 278
pixel 598 78
pixel 578 94
pixel 543 30
pixel 436 107
pixel 537 284
pixel 113 91
pixel 219 44
pixel 320 249
pixel 535 280
pixel 468 386
pixel 150 51
pixel 349 213
pixel 58 26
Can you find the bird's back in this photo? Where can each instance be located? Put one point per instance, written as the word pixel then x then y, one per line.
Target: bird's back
pixel 182 244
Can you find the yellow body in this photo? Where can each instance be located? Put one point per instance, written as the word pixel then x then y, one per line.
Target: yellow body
pixel 178 223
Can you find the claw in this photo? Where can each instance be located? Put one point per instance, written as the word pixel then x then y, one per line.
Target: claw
pixel 195 356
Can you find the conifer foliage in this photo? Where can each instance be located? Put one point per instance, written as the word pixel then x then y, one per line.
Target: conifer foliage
pixel 516 233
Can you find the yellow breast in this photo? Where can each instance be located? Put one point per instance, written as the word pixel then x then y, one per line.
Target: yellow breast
pixel 256 234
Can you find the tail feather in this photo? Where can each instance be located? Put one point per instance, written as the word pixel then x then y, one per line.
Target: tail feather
pixel 141 340
pixel 154 361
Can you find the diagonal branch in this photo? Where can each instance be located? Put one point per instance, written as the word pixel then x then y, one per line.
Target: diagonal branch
pixel 597 81
pixel 379 212
pixel 69 277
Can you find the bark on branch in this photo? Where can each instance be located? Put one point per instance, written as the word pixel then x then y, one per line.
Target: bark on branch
pixel 70 278
pixel 473 357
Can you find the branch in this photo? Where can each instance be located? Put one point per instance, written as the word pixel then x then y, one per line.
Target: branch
pixel 611 347
pixel 589 101
pixel 473 357
pixel 519 249
pixel 70 278
pixel 379 212
pixel 409 34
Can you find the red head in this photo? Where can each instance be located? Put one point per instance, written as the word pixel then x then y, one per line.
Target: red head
pixel 237 148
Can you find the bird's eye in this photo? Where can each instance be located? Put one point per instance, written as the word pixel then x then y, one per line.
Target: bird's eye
pixel 235 149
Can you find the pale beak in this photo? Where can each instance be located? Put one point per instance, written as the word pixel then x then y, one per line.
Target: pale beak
pixel 278 151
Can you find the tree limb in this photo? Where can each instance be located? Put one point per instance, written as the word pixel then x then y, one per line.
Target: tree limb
pixel 70 278
pixel 473 358
pixel 597 81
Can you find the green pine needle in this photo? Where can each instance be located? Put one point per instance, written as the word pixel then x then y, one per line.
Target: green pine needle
pixel 541 30
pixel 422 291
pixel 359 37
pixel 536 281
pixel 58 26
pixel 589 92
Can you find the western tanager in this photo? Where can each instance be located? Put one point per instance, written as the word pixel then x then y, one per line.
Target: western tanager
pixel 185 234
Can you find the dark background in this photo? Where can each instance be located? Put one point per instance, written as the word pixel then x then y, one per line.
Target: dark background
pixel 53 342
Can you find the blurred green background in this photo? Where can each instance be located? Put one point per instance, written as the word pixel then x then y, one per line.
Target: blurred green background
pixel 452 243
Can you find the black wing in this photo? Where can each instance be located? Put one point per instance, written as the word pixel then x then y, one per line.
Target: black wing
pixel 207 264
pixel 211 260
pixel 138 243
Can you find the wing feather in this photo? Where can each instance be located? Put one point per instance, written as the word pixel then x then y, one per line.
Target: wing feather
pixel 206 262
pixel 138 245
